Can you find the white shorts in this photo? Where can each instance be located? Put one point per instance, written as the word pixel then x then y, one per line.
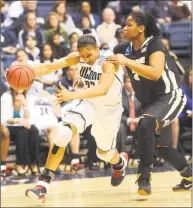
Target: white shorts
pixel 44 122
pixel 105 121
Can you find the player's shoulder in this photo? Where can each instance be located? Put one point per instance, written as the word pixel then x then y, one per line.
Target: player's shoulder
pixel 122 48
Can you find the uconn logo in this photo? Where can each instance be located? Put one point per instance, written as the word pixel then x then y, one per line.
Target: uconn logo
pixel 92 76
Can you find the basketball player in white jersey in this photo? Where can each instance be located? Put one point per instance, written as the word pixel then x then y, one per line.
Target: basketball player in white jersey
pixel 99 105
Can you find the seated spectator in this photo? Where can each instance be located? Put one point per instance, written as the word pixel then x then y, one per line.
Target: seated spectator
pixel 73 47
pixel 71 74
pixel 66 21
pixel 4 9
pixel 15 9
pixel 53 26
pixel 22 56
pixel 30 29
pixel 120 36
pixel 180 11
pixel 4 140
pixel 32 51
pixel 106 31
pixel 185 117
pixel 8 41
pixel 42 108
pixel 30 6
pixel 15 115
pixel 130 115
pixel 3 85
pixel 59 48
pixel 161 10
pixel 86 11
pixel 48 57
pixel 74 36
pixel 85 23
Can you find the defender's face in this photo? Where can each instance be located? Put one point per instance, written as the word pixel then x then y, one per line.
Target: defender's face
pixel 131 29
pixel 89 54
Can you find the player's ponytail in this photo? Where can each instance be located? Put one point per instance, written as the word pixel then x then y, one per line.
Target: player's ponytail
pixel 146 19
pixel 87 39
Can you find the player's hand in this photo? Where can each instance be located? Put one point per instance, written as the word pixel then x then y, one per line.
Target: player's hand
pixel 79 84
pixel 24 123
pixel 118 59
pixel 63 95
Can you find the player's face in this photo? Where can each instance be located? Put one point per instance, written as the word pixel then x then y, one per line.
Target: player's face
pixel 131 30
pixel 89 54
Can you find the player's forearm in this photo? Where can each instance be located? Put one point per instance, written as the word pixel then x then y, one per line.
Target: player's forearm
pixel 43 69
pixel 145 71
pixel 13 120
pixel 92 92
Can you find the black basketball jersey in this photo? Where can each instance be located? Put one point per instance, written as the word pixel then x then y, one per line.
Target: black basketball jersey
pixel 147 90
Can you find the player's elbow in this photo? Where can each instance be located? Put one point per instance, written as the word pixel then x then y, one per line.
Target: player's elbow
pixel 103 90
pixel 156 76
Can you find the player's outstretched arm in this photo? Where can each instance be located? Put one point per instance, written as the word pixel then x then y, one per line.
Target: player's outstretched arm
pixel 42 69
pixel 151 72
pixel 105 82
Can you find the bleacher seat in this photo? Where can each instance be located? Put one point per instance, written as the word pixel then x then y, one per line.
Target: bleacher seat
pixel 180 37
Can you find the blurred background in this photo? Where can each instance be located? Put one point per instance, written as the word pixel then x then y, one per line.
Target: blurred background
pixel 43 31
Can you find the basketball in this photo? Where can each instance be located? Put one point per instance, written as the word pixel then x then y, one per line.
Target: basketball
pixel 20 76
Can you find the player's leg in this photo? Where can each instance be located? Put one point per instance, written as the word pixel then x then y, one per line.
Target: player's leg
pixel 146 134
pixel 178 161
pixel 55 156
pixel 105 129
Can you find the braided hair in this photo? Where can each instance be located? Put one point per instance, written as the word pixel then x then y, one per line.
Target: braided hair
pixel 146 19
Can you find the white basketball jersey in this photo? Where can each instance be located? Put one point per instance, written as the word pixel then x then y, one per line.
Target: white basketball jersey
pixel 91 75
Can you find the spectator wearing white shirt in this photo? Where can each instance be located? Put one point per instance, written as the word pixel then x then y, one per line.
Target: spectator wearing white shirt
pixel 106 31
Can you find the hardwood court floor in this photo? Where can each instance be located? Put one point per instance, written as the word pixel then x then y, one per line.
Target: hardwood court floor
pixel 97 192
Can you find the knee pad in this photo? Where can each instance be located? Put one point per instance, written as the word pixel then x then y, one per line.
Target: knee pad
pixel 64 135
pixel 108 156
pixel 147 123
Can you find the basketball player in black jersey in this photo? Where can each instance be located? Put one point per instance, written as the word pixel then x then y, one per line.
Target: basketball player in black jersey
pixel 154 77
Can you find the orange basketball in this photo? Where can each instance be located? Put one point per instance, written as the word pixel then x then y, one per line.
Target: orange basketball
pixel 20 76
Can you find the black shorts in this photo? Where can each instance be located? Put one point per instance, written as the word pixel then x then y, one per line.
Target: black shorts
pixel 166 107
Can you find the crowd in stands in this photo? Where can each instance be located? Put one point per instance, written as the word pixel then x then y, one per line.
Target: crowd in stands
pixel 30 36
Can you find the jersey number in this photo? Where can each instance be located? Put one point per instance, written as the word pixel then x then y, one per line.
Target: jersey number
pixel 89 83
pixel 43 111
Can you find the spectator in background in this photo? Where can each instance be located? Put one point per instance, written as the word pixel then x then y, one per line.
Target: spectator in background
pixel 130 116
pixel 106 31
pixel 30 6
pixel 4 142
pixel 74 36
pixel 15 115
pixel 73 47
pixel 59 48
pixel 53 26
pixel 120 36
pixel 185 117
pixel 4 9
pixel 15 9
pixel 47 56
pixel 86 11
pixel 161 10
pixel 180 11
pixel 66 21
pixel 30 28
pixel 22 56
pixel 8 41
pixel 32 51
pixel 3 85
pixel 85 23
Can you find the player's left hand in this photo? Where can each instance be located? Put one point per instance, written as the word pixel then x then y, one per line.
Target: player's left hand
pixel 117 59
pixel 63 95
